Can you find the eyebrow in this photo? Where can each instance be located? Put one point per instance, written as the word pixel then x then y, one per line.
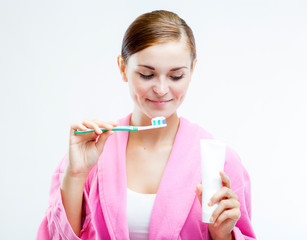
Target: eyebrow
pixel 152 68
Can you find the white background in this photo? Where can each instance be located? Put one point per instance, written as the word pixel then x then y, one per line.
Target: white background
pixel 58 66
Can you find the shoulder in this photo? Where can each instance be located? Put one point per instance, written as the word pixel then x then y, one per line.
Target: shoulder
pixel 125 121
pixel 233 164
pixel 235 169
pixel 196 130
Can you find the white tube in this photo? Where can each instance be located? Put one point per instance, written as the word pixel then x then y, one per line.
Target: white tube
pixel 212 162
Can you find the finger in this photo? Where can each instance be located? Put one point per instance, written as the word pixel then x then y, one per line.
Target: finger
pixel 225 179
pixel 223 193
pixel 199 192
pixel 106 125
pixel 232 214
pixel 114 123
pixel 224 205
pixel 102 139
pixel 92 125
pixel 78 126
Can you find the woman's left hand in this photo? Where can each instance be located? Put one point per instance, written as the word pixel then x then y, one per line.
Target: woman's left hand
pixel 227 213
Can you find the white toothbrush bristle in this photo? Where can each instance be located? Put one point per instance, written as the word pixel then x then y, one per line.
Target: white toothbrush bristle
pixel 158 121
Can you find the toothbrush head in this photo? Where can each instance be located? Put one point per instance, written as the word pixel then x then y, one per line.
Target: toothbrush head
pixel 158 122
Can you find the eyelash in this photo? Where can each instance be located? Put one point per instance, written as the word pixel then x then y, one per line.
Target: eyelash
pixel 177 78
pixel 151 76
pixel 146 76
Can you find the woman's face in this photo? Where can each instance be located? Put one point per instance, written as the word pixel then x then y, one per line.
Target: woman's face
pixel 158 77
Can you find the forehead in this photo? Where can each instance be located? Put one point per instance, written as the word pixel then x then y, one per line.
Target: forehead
pixel 161 56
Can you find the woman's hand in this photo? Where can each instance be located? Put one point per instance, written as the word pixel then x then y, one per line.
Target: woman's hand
pixel 227 213
pixel 85 149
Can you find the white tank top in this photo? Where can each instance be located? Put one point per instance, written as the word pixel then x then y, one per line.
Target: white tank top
pixel 139 207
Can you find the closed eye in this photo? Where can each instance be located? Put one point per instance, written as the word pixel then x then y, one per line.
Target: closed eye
pixel 146 76
pixel 176 77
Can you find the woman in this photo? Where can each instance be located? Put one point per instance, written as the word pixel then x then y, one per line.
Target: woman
pixel 145 185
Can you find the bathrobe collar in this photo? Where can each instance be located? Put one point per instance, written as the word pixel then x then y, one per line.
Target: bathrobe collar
pixel 176 192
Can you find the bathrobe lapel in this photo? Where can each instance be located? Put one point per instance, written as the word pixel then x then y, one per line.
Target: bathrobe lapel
pixel 113 183
pixel 176 192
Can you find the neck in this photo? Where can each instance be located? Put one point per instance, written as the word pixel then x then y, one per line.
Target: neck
pixel 154 137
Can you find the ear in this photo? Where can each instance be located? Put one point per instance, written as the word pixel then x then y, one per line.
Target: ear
pixel 193 65
pixel 122 67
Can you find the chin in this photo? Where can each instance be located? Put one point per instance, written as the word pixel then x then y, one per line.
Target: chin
pixel 155 114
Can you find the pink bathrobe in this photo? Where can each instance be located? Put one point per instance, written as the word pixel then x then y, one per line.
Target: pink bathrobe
pixel 176 212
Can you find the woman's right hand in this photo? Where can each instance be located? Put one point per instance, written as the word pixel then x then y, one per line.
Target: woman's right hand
pixel 85 149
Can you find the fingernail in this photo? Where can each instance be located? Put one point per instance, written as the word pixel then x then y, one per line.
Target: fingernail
pixel 211 219
pixel 209 203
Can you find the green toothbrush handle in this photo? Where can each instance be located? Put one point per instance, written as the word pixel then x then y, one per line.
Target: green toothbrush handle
pixel 119 128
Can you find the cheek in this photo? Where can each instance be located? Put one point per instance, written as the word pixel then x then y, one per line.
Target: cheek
pixel 181 89
pixel 137 88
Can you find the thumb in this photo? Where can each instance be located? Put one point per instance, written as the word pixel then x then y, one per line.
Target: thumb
pixel 102 139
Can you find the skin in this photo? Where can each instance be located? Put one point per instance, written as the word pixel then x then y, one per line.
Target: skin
pixel 226 215
pixel 159 94
pixel 158 78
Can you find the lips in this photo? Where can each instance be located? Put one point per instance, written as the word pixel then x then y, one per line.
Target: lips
pixel 159 101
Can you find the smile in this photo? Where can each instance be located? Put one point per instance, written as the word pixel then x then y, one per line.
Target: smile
pixel 159 102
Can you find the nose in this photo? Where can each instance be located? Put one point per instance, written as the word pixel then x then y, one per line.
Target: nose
pixel 161 87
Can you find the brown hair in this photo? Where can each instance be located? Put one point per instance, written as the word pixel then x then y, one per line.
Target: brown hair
pixel 154 28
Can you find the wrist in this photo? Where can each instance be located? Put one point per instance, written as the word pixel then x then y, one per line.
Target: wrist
pixel 75 174
pixel 229 236
pixel 73 181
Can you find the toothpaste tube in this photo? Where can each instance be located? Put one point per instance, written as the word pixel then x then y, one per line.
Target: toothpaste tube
pixel 212 162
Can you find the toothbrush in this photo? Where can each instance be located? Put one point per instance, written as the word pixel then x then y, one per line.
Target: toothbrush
pixel 157 122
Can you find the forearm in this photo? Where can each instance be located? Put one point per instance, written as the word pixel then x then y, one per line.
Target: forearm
pixel 72 197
